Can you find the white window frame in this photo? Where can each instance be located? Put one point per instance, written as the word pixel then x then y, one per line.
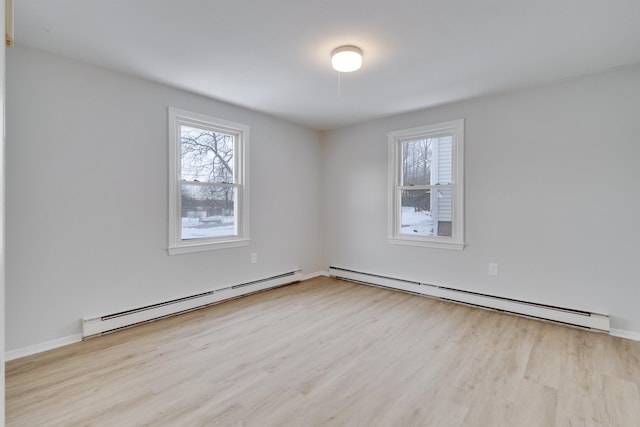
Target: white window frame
pixel 177 245
pixel 456 241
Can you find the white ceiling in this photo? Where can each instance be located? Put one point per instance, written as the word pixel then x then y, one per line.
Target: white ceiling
pixel 273 55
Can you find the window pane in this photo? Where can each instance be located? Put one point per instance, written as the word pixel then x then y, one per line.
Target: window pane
pixel 416 161
pixel 415 213
pixel 206 156
pixel 427 161
pixel 426 212
pixel 207 211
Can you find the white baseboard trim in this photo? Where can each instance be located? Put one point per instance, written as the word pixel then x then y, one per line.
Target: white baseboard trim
pixel 75 338
pixel 314 275
pixel 72 339
pixel 95 325
pixel 39 348
pixel 566 315
pixel 622 333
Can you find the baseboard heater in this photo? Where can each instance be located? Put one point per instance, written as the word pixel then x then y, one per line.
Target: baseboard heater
pixel 92 326
pixel 584 319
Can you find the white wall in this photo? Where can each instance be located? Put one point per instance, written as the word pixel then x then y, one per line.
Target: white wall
pixel 552 194
pixel 87 197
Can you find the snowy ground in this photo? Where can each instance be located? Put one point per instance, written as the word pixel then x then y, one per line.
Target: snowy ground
pixel 413 223
pixel 416 223
pixel 212 226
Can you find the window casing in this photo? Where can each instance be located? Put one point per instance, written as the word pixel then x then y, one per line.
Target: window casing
pixel 208 183
pixel 426 186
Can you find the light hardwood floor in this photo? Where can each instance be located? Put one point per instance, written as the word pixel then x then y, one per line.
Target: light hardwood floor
pixel 329 352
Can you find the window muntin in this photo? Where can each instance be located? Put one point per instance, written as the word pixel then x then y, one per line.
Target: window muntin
pixel 425 186
pixel 208 195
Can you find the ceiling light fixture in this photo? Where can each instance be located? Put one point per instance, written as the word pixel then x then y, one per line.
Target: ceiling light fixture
pixel 346 59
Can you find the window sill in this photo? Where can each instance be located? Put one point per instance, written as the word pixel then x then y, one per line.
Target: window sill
pixel 208 246
pixel 455 246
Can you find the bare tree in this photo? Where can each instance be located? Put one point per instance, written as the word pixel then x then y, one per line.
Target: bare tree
pixel 207 157
pixel 416 162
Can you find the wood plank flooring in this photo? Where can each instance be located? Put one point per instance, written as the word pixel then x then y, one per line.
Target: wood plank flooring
pixel 331 353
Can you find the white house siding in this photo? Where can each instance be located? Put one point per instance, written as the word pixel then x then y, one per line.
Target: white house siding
pixel 442 199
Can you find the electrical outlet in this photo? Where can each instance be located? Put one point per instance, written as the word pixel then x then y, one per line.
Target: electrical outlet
pixel 254 257
pixel 493 269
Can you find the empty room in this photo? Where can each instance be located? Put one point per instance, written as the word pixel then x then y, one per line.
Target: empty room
pixel 340 213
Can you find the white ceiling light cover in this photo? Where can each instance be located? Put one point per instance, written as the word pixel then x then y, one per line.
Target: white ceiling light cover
pixel 346 59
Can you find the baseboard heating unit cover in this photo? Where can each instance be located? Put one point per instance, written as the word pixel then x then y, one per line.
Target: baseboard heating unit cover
pixel 110 322
pixel 584 319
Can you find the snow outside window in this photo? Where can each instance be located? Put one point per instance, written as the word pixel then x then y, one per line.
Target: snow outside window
pixel 426 186
pixel 208 193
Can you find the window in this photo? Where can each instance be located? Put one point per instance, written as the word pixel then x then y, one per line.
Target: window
pixel 426 186
pixel 208 191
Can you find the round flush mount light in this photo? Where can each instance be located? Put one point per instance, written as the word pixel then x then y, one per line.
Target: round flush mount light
pixel 346 59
